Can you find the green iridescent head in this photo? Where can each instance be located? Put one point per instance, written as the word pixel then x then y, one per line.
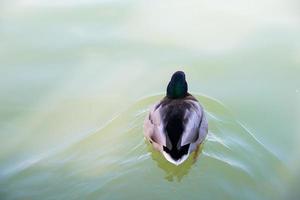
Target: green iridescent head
pixel 177 87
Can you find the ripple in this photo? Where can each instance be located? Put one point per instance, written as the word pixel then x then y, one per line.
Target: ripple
pixel 116 150
pixel 233 163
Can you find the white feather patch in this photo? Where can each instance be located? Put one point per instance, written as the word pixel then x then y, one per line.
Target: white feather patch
pixel 175 162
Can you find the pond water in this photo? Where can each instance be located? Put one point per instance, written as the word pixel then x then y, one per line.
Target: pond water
pixel 78 78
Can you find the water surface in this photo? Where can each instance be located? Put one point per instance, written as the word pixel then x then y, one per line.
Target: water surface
pixel 78 78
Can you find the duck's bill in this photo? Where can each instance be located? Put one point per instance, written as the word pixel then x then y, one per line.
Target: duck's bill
pixel 175 162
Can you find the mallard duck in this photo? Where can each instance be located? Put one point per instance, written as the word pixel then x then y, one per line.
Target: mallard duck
pixel 176 125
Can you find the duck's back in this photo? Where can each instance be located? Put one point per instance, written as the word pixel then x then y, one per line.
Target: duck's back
pixel 173 120
pixel 182 119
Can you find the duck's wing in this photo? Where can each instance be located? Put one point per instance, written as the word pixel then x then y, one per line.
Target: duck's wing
pixel 195 124
pixel 154 128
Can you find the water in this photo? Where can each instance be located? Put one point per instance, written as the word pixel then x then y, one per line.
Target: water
pixel 77 79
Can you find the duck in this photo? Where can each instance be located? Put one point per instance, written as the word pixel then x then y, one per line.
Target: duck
pixel 176 125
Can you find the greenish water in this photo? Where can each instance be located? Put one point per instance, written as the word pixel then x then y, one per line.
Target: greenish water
pixel 77 79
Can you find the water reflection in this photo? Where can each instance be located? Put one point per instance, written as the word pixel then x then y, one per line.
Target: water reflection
pixel 173 172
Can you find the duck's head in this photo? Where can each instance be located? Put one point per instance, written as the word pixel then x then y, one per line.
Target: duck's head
pixel 177 87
